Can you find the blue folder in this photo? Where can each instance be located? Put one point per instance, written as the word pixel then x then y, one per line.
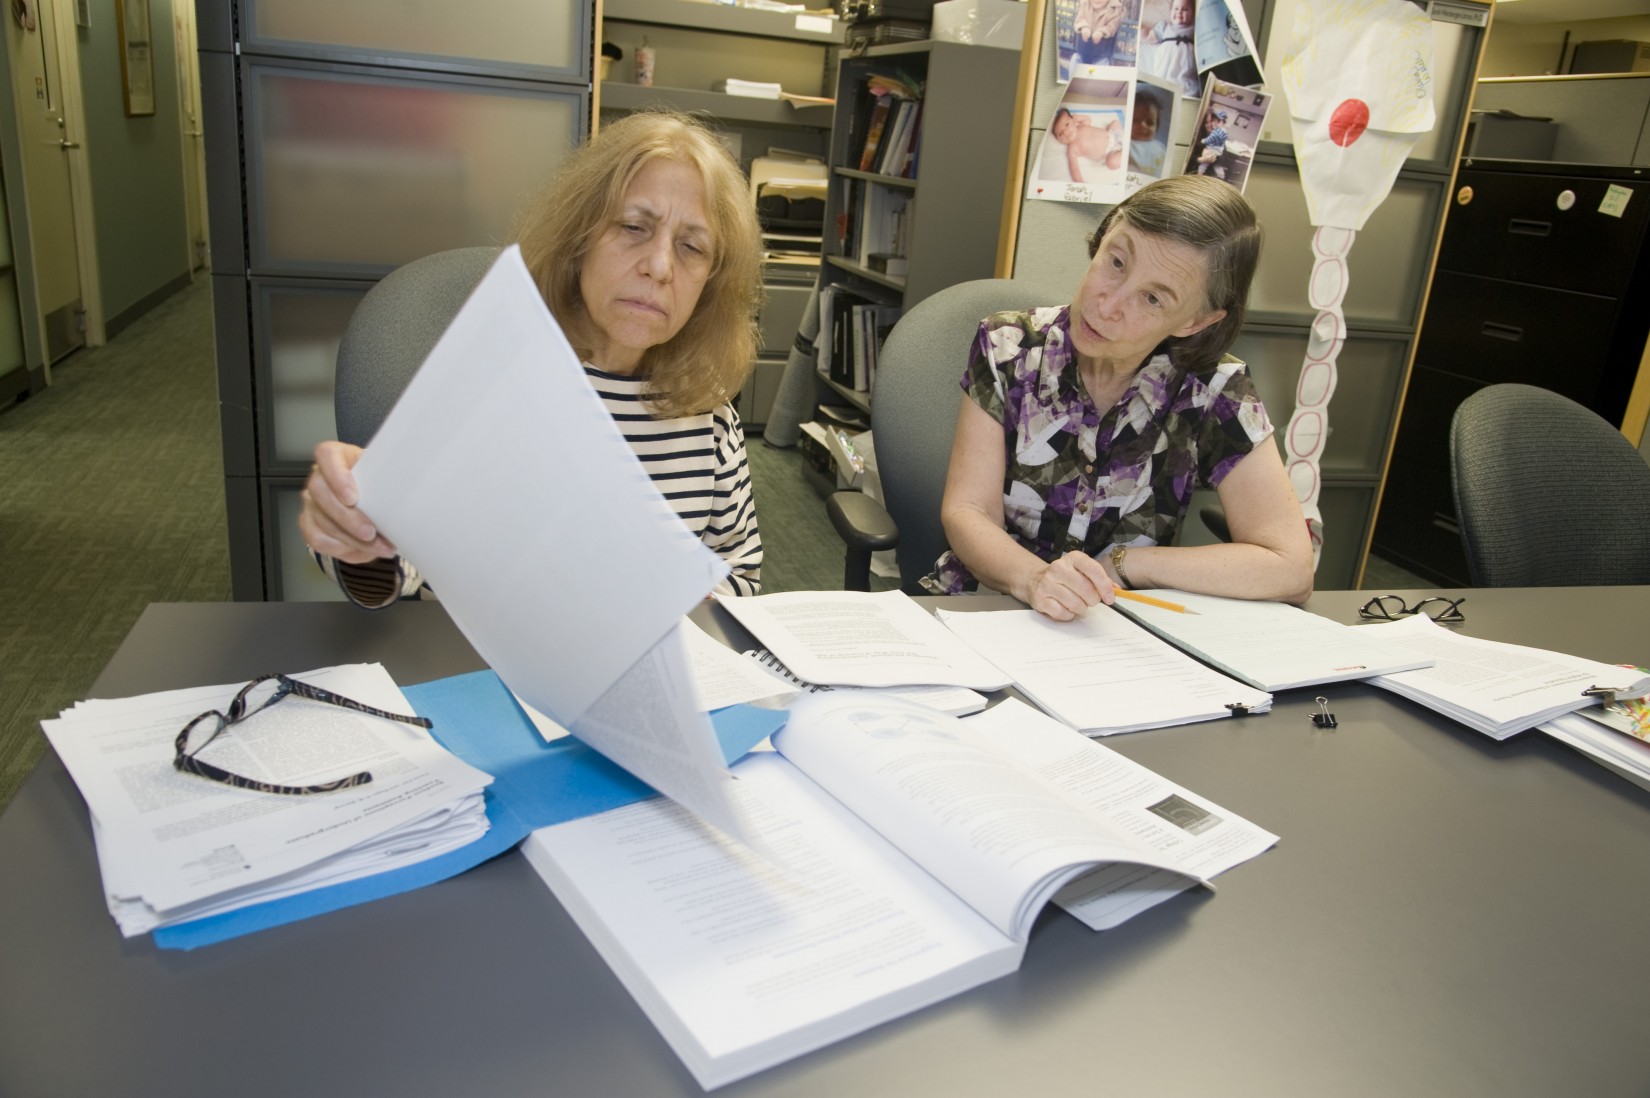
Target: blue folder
pixel 535 784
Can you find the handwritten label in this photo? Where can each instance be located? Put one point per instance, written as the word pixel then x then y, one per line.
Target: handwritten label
pixel 1615 200
pixel 1459 11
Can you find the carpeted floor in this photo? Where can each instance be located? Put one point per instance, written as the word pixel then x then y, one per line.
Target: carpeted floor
pixel 111 497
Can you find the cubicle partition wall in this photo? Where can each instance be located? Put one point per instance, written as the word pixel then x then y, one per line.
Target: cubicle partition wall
pixel 342 141
pixel 1390 268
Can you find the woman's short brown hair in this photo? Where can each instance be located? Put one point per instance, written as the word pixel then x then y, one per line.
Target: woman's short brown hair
pixel 706 362
pixel 1213 217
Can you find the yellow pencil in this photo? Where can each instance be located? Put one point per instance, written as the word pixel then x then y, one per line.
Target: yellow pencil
pixel 1136 596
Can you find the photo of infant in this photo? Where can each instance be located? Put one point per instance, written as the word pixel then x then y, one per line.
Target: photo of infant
pixel 1149 129
pixel 1085 149
pixel 1168 50
pixel 1092 138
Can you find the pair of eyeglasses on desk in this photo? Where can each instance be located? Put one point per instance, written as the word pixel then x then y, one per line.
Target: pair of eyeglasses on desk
pixel 253 698
pixel 1392 607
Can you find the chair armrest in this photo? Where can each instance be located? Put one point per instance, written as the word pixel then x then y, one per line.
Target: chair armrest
pixel 866 527
pixel 863 522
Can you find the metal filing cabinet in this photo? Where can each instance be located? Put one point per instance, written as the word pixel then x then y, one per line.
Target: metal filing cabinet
pixel 1543 278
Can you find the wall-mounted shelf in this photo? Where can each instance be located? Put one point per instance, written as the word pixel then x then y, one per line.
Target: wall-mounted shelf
pixel 728 108
pixel 726 19
pixel 873 177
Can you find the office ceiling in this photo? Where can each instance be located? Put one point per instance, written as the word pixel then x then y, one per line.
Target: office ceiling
pixel 1567 11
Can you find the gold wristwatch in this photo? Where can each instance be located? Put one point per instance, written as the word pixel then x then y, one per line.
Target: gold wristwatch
pixel 1118 552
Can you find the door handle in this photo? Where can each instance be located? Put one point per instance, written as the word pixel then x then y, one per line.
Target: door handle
pixel 68 144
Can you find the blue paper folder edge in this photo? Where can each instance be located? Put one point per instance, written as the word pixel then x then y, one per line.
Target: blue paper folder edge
pixel 535 784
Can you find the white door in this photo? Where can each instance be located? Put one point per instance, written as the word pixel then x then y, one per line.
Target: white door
pixel 194 153
pixel 32 49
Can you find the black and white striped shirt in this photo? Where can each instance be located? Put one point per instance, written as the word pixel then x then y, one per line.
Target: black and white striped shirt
pixel 697 462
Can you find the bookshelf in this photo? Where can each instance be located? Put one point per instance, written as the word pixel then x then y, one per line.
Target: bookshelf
pixel 948 196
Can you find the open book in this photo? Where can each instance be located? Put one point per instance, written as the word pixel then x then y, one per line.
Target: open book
pixel 1101 673
pixel 1271 645
pixel 910 853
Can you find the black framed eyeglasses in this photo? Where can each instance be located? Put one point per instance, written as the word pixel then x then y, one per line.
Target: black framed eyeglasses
pixel 253 698
pixel 1393 607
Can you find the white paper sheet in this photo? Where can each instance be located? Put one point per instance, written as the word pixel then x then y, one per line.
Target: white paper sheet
pixel 501 475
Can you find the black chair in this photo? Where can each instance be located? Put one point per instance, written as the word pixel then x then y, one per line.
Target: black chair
pixel 913 415
pixel 1547 493
pixel 393 330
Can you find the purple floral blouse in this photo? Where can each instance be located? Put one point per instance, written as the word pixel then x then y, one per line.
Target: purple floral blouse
pixel 1080 479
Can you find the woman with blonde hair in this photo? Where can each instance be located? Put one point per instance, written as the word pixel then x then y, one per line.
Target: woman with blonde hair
pixel 646 248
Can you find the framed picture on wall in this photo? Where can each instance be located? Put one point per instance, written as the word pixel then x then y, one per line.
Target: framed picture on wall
pixel 137 59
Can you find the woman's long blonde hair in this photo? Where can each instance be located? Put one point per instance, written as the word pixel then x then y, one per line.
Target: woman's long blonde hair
pixel 705 363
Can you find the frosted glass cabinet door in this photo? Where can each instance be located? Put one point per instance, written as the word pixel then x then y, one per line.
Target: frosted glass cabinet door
pixel 355 174
pixel 295 575
pixel 297 329
pixel 543 36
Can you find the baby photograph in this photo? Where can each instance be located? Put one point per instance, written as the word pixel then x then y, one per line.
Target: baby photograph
pixel 1084 152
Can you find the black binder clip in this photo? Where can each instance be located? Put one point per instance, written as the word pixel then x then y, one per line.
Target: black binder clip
pixel 1238 709
pixel 1323 718
pixel 1604 694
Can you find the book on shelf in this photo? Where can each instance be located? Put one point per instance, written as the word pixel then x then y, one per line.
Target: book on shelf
pixel 895 152
pixel 851 330
pixel 876 124
pixel 875 99
pixel 1102 674
pixel 905 855
pixel 1270 645
pixel 884 224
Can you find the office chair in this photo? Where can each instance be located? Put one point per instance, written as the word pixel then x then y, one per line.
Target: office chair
pixel 393 330
pixel 1547 493
pixel 913 415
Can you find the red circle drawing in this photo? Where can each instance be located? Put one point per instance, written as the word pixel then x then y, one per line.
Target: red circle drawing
pixel 1348 122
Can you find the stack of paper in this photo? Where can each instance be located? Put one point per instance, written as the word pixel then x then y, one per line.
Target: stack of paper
pixel 1498 689
pixel 753 89
pixel 1270 645
pixel 173 846
pixel 1101 674
pixel 1615 750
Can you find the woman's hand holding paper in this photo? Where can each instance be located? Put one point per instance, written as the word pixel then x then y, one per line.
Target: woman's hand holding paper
pixel 331 522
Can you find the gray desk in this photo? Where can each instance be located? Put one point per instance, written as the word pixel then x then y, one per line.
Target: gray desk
pixel 1444 916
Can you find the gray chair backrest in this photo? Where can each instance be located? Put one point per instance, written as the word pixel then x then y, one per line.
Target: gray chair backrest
pixel 1548 494
pixel 392 331
pixel 914 405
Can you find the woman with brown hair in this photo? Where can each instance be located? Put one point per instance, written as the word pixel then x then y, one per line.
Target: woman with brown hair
pixel 1086 427
pixel 646 248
